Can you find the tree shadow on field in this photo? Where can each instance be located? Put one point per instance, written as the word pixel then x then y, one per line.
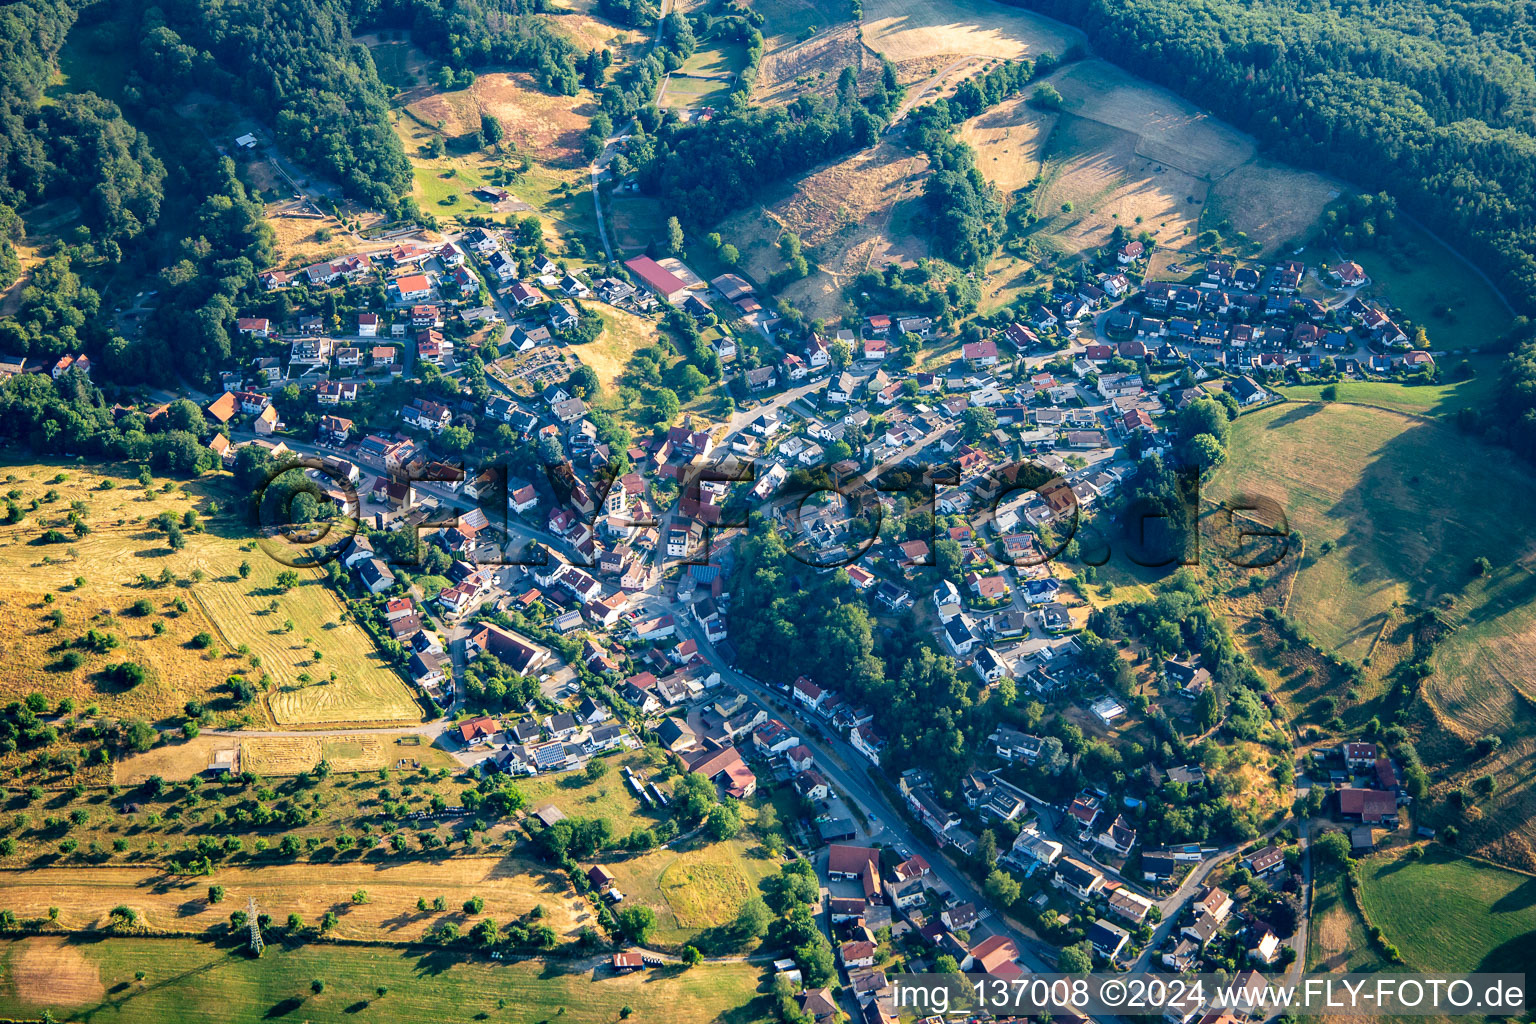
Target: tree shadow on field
pixel 438 961
pixel 1294 413
pixel 1521 898
pixel 1512 957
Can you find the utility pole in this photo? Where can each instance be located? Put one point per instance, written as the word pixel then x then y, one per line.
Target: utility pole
pixel 257 945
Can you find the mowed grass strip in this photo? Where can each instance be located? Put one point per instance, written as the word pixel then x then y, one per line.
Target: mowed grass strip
pixel 188 982
pixel 366 688
pixel 511 887
pixel 1450 913
pixel 1337 941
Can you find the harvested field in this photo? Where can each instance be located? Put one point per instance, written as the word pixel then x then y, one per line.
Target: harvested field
pixel 1094 179
pixel 1271 203
pixel 289 755
pixel 510 887
pixel 1338 941
pixel 174 762
pixel 229 610
pixel 364 688
pixel 1168 130
pixel 1009 141
pixel 51 972
pixel 947 29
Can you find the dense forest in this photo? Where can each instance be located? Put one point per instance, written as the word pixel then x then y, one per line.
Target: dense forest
pixel 294 63
pixel 1432 100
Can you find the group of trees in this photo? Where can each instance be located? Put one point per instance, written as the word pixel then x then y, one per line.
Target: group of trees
pixel 706 169
pixel 1428 99
pixel 473 33
pixel 792 620
pixel 966 211
pixel 71 415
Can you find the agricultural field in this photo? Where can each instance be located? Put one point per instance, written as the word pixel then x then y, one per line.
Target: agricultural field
pixel 510 887
pixel 1386 523
pixel 291 755
pixel 187 982
pixel 364 687
pixel 1337 940
pixel 1169 131
pixel 1382 515
pixel 694 885
pixel 1009 139
pixel 212 627
pixel 1272 204
pixel 1451 913
pixel 851 215
pixel 939 31
pixel 1094 178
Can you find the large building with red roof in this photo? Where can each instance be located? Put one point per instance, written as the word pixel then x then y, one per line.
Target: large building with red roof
pixel 667 285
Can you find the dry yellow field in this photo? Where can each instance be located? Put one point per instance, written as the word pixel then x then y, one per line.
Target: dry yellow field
pixel 918 29
pixel 174 762
pixel 546 127
pixel 811 67
pixel 290 755
pixel 623 333
pixel 1168 129
pixel 120 546
pixel 1271 203
pixel 510 888
pixel 1009 140
pixel 1093 179
pixel 850 215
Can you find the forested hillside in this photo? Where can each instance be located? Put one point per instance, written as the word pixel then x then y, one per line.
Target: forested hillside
pixel 1432 100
